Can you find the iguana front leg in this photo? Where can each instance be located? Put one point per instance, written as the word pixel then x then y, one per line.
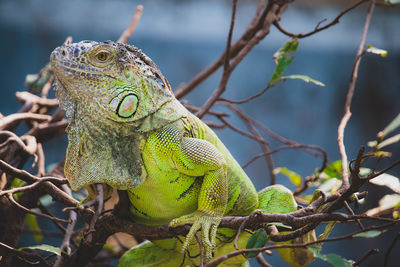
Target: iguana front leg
pixel 197 157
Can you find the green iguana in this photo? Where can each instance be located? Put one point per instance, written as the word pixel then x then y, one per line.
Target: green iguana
pixel 128 131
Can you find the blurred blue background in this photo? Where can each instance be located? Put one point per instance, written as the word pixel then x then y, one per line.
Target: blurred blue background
pixel 184 37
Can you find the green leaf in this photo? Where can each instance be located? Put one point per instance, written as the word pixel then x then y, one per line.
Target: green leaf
pixel 45 247
pixel 35 82
pixel 392 2
pixel 330 186
pixel 283 59
pixel 306 198
pixel 283 63
pixel 338 261
pixel 389 141
pixel 304 78
pixel 369 234
pixel 257 240
pixel 114 250
pixel 281 225
pixel 46 200
pixel 316 249
pixel 315 195
pixel 372 143
pixel 387 180
pixel 334 169
pixel 377 51
pixel 385 203
pixel 327 231
pixel 294 177
pixel 380 154
pixel 31 222
pixel 392 126
pixel 333 259
pixel 389 201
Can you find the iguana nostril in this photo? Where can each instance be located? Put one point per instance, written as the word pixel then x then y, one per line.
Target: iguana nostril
pixel 63 52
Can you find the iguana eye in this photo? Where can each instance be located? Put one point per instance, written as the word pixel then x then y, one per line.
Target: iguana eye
pixel 103 56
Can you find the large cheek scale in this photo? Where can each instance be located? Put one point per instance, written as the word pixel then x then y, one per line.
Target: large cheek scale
pixel 127 106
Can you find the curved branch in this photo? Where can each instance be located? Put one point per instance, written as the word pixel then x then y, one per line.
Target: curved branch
pixel 318 28
pixel 15 203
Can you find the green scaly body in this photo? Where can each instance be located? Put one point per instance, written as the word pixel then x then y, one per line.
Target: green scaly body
pixel 127 130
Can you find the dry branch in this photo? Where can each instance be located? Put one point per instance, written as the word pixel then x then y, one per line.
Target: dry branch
pixel 15 151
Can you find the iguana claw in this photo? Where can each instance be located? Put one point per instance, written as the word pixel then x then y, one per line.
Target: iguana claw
pixel 208 225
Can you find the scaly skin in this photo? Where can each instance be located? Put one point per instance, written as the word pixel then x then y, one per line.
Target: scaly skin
pixel 127 130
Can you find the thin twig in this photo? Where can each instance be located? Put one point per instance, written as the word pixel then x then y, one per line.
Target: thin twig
pixel 100 201
pixel 65 247
pixel 318 28
pixel 255 25
pixel 296 146
pixel 247 99
pixel 132 25
pixel 262 261
pixel 249 135
pixel 24 255
pixel 346 205
pixel 4 122
pixel 45 210
pixel 26 97
pixel 41 161
pixel 239 231
pixel 376 174
pixel 366 255
pixel 15 203
pixel 349 97
pixel 226 72
pixel 225 257
pixel 27 142
pixel 198 239
pixel 264 146
pixel 26 176
pixel 387 254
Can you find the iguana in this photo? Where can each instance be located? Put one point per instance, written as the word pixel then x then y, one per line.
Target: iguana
pixel 128 131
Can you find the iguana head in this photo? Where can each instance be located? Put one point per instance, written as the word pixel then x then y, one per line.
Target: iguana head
pixel 108 81
pixel 112 94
